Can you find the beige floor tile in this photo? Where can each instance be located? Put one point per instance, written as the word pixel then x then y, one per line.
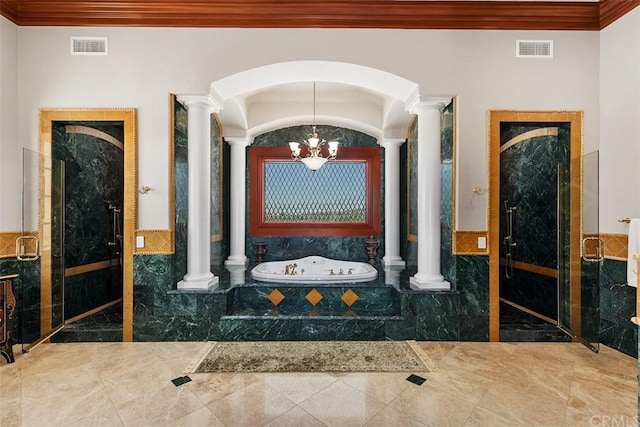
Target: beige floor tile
pixel 342 405
pixel 203 417
pixel 541 409
pixel 160 407
pixel 211 387
pixel 381 386
pixel 474 384
pixel 297 387
pixel 433 407
pixel 390 417
pixel 296 417
pixel 254 405
pixel 483 418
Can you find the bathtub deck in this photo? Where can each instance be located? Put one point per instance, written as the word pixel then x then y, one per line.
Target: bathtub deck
pixel 313 312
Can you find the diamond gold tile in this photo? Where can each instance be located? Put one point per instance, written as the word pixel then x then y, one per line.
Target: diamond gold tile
pixel 275 297
pixel 314 297
pixel 349 297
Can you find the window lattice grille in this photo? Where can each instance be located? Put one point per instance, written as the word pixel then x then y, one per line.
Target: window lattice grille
pixel 334 194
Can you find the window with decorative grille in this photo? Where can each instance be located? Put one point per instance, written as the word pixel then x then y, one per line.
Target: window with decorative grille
pixel 340 199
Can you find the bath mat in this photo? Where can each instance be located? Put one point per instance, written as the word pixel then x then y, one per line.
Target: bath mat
pixel 312 356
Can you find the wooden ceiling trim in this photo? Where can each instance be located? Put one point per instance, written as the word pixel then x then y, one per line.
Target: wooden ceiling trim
pixel 405 14
pixel 612 10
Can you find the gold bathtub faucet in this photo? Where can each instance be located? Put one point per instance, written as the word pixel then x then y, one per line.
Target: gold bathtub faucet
pixel 290 269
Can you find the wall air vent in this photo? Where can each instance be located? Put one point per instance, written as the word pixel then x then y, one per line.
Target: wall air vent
pixel 534 48
pixel 90 46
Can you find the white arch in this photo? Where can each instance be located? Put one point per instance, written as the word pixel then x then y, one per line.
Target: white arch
pixel 255 79
pixel 396 94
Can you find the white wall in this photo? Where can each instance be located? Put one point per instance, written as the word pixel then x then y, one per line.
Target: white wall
pixel 145 65
pixel 620 122
pixel 9 142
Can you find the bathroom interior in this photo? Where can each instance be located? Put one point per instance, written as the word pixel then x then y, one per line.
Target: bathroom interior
pixel 530 296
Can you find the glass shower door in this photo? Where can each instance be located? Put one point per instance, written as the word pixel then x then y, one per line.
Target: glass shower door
pixel 39 250
pixel 581 251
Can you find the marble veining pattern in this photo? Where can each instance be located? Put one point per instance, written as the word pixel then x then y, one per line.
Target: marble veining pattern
pixel 471 384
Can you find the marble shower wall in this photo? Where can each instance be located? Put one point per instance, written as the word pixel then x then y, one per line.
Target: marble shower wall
pixel 528 182
pixel 291 247
pixel 94 176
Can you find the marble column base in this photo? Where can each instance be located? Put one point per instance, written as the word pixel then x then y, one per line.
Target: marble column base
pixel 429 282
pixel 199 284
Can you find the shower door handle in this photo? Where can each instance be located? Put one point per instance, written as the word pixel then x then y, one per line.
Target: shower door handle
pixel 598 254
pixel 21 255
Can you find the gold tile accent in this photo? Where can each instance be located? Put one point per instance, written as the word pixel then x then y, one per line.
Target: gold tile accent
pixel 275 297
pixel 8 243
pixel 465 242
pixel 616 246
pixel 314 297
pixel 349 297
pixel 156 242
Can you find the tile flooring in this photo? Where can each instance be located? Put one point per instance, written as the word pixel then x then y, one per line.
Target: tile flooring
pixel 473 384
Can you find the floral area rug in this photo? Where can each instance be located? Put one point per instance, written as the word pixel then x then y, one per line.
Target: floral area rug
pixel 312 356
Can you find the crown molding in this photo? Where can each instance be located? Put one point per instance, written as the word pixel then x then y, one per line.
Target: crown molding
pixel 400 14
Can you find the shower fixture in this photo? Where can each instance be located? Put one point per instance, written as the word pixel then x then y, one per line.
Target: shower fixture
pixel 116 228
pixel 509 244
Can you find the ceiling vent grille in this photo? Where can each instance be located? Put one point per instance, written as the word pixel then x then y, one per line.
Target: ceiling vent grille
pixel 89 46
pixel 534 48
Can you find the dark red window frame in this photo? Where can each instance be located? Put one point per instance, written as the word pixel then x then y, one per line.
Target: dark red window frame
pixel 258 156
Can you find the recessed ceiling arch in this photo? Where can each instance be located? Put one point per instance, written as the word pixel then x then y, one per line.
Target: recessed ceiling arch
pixel 278 95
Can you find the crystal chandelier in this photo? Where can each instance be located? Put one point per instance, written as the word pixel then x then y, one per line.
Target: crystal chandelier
pixel 314 158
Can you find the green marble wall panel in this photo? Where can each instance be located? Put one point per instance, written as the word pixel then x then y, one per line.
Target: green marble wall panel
pixel 436 316
pixel 336 247
pixel 163 314
pixel 219 247
pixel 472 284
pixel 617 307
pixel 529 182
pixel 181 190
pixel 93 179
pixel 27 291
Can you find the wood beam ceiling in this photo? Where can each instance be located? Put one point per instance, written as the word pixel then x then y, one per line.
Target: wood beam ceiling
pixel 404 14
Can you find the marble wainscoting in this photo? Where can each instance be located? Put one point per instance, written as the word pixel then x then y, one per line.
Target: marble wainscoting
pixel 244 310
pixel 617 306
pixel 27 290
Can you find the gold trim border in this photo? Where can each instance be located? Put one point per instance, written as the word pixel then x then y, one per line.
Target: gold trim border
pixel 494 118
pixel 94 266
pixel 128 116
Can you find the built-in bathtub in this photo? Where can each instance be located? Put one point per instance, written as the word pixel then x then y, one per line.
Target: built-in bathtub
pixel 314 269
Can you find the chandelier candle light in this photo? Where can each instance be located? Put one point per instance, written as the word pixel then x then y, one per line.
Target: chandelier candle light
pixel 314 158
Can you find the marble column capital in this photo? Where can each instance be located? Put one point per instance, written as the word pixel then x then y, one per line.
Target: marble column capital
pixel 392 142
pixel 421 103
pixel 237 141
pixel 200 101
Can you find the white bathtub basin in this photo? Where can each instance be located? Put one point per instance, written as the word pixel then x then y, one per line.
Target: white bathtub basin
pixel 314 269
